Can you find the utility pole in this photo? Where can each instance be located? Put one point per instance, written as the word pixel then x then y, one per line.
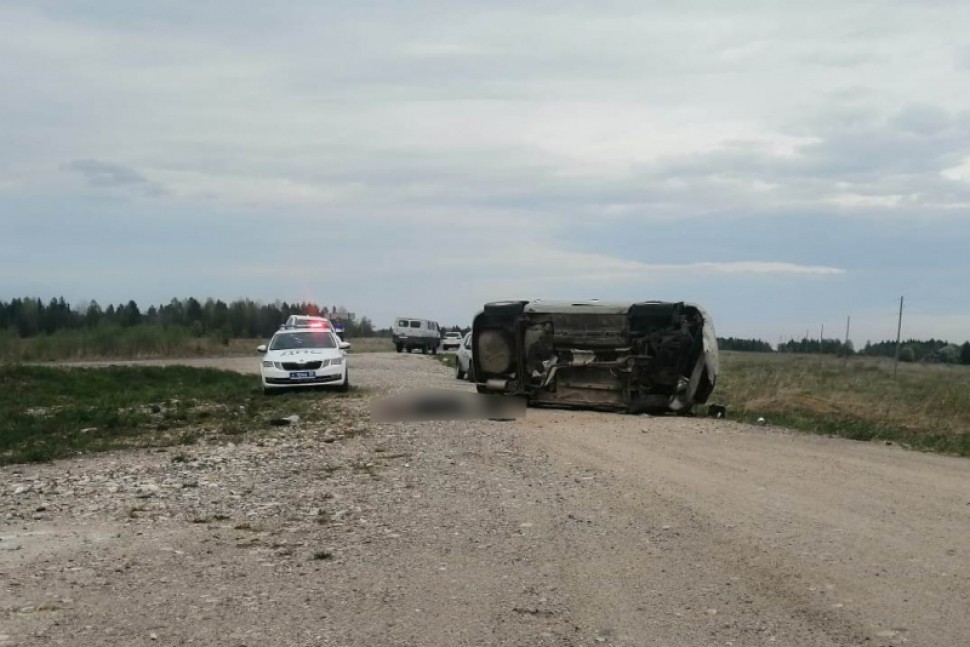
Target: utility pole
pixel 845 346
pixel 899 329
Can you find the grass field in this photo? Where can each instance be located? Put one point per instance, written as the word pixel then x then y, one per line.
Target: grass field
pixel 48 413
pixel 926 407
pixel 371 345
pixel 140 342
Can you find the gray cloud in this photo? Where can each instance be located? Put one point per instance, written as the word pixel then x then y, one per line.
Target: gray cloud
pixel 707 137
pixel 114 176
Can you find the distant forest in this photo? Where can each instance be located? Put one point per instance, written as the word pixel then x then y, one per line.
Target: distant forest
pixel 911 350
pixel 243 318
pixel 747 345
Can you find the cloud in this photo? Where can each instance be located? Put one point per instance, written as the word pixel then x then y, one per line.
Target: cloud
pixel 960 172
pixel 582 266
pixel 114 176
pixel 735 153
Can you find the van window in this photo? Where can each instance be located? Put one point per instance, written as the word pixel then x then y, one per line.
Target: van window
pixel 415 324
pixel 403 323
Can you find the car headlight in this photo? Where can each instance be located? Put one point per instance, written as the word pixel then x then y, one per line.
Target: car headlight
pixel 337 362
pixel 267 364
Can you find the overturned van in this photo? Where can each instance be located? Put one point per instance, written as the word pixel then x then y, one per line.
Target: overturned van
pixel 649 356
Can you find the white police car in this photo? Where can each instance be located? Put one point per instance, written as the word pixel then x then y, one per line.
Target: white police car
pixel 304 355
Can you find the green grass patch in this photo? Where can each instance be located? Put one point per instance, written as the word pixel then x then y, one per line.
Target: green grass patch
pixel 926 406
pixel 448 359
pixel 48 413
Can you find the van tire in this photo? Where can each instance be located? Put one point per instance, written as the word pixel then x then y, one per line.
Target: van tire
pixel 399 347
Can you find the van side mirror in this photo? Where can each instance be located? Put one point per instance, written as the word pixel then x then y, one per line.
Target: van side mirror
pixel 261 348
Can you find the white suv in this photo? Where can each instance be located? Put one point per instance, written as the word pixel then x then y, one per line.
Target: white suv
pixel 301 357
pixel 451 341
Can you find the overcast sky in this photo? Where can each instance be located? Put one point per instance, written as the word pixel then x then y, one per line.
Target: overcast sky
pixel 784 164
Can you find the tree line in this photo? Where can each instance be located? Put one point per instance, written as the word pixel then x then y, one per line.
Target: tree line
pixel 916 350
pixel 746 345
pixel 242 318
pixel 816 346
pixel 911 350
pixel 245 318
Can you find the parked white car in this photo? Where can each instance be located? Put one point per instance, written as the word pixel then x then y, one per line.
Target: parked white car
pixel 463 360
pixel 303 357
pixel 451 341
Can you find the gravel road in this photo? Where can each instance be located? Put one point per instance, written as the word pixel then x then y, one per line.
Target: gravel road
pixel 563 528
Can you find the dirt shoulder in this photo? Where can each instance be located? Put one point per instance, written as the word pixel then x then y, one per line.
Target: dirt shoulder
pixel 566 528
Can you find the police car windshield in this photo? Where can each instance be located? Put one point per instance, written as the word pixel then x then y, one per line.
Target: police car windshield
pixel 303 339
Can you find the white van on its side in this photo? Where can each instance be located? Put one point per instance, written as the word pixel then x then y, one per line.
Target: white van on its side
pixel 409 333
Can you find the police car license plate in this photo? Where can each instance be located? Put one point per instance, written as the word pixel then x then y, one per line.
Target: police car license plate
pixel 303 375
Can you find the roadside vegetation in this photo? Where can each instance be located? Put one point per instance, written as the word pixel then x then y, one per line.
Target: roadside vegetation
pixel 927 406
pixel 371 345
pixel 34 331
pixel 141 342
pixel 48 413
pixel 448 359
pixel 115 342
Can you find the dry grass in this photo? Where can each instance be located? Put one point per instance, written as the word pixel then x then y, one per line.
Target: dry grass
pixel 146 343
pixel 926 406
pixel 371 345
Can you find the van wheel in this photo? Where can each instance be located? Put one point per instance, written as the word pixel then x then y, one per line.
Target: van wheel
pixel 399 347
pixel 434 350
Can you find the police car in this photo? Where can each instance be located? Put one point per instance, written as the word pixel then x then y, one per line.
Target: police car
pixel 304 352
pixel 305 321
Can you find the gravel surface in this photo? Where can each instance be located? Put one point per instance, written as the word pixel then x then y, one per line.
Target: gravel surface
pixel 564 528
